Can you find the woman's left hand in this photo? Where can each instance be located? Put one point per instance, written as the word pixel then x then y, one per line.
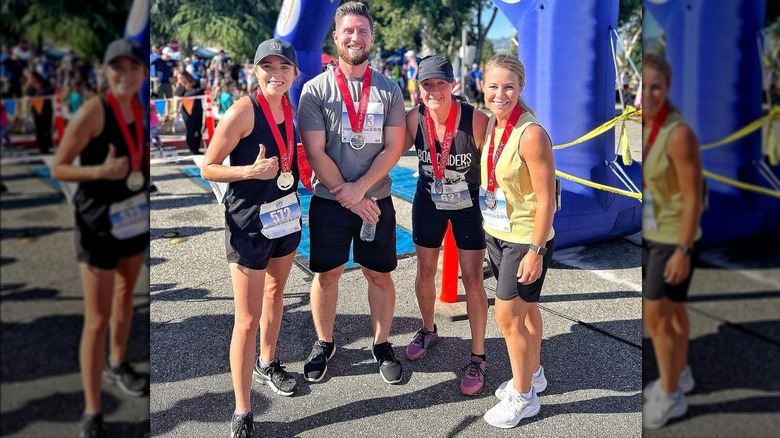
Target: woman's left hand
pixel 677 268
pixel 530 268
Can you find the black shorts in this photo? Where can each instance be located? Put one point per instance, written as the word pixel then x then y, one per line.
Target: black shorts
pixel 256 253
pixel 333 228
pixel 654 258
pixel 103 250
pixel 429 224
pixel 505 260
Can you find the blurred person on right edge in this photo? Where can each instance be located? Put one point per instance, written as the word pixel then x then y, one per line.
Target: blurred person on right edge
pixel 672 206
pixel 441 127
pixel 190 91
pixel 518 202
pixel 112 222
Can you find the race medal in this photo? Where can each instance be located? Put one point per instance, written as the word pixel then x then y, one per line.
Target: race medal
pixel 285 180
pixel 357 141
pixel 135 180
pixel 490 200
pixel 438 186
pixel 135 147
pixel 439 161
pixel 356 118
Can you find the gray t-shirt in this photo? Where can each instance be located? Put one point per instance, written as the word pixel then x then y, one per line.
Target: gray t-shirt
pixel 321 108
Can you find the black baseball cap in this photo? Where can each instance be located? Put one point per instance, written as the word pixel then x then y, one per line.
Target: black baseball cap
pixel 124 47
pixel 436 67
pixel 277 47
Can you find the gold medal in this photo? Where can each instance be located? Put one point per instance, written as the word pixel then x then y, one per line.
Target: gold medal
pixel 285 180
pixel 357 141
pixel 135 180
pixel 438 186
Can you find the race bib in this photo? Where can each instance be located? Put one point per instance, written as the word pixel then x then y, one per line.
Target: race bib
pixel 649 222
pixel 130 217
pixel 281 217
pixel 372 127
pixel 496 218
pixel 453 197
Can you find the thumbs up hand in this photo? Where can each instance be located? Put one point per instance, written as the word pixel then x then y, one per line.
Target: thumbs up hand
pixel 263 168
pixel 113 168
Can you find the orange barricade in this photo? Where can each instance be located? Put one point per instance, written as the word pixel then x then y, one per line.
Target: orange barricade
pixel 209 118
pixel 449 270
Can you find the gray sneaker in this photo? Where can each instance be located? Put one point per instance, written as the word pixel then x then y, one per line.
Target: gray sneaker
pixel 126 378
pixel 242 426
pixel 274 375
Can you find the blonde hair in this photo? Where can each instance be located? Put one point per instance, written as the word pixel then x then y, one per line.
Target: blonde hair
pixel 514 65
pixel 661 65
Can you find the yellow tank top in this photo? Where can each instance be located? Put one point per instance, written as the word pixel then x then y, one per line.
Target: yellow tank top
pixel 661 180
pixel 513 178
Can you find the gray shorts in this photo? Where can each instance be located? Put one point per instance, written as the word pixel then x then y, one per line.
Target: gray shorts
pixel 505 259
pixel 654 258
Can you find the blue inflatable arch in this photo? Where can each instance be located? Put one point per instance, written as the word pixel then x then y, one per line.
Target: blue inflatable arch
pixel 716 82
pixel 565 47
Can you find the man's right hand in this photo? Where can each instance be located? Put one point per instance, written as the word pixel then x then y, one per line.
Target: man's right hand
pixel 263 168
pixel 367 210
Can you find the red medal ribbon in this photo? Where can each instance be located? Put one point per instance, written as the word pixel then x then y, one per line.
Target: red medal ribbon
pixel 356 119
pixel 285 153
pixel 449 135
pixel 660 118
pixel 493 159
pixel 133 147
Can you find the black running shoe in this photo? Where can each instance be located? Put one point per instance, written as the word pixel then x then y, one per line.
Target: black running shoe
pixel 389 367
pixel 128 380
pixel 91 426
pixel 242 425
pixel 274 375
pixel 317 364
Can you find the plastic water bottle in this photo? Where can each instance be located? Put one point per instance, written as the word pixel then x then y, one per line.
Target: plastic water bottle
pixel 368 230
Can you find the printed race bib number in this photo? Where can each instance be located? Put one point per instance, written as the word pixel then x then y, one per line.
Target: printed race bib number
pixel 130 217
pixel 453 197
pixel 496 218
pixel 372 126
pixel 649 222
pixel 281 217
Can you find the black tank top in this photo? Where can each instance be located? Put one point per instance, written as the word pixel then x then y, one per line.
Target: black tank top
pixel 244 198
pixel 463 162
pixel 94 198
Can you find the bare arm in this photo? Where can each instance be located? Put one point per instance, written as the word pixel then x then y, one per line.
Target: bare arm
pixel 479 126
pixel 536 152
pixel 85 125
pixel 683 152
pixel 411 128
pixel 236 124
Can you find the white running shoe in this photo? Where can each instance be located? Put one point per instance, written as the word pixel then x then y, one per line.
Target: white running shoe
pixel 539 384
pixel 509 411
pixel 686 383
pixel 661 408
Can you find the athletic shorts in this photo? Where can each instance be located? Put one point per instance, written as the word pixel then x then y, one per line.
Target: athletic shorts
pixel 104 252
pixel 430 224
pixel 333 229
pixel 256 253
pixel 654 258
pixel 505 260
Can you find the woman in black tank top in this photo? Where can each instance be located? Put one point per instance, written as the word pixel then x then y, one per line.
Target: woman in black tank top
pixel 112 220
pixel 262 220
pixel 448 136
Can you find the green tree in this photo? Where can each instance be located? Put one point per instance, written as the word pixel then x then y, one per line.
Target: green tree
pixel 85 26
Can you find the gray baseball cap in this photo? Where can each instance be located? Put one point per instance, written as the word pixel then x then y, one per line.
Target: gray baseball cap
pixel 436 67
pixel 277 47
pixel 124 47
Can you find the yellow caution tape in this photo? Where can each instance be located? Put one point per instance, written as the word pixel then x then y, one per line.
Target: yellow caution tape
pixel 630 113
pixel 599 186
pixel 774 114
pixel 740 184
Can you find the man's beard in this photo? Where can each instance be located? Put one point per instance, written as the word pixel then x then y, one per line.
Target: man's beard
pixel 351 59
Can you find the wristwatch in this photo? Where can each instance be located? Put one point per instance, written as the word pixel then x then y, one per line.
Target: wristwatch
pixel 538 249
pixel 687 250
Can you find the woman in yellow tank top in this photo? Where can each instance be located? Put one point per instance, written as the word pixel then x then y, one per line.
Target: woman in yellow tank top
pixel 517 200
pixel 672 205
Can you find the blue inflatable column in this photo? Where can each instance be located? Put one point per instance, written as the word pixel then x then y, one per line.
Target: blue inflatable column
pixel 716 82
pixel 304 23
pixel 570 84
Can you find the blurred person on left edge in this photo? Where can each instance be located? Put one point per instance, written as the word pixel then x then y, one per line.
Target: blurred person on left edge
pixel 112 221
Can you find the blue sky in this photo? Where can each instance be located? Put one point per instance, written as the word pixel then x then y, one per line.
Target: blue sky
pixel 501 28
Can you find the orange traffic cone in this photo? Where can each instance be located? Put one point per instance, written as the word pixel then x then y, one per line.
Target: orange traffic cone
pixel 449 270
pixel 209 118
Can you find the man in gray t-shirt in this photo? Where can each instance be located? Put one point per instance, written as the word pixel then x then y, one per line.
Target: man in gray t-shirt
pixel 352 126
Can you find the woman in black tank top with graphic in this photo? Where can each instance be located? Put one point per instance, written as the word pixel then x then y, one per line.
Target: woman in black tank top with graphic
pixel 109 137
pixel 262 220
pixel 447 135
